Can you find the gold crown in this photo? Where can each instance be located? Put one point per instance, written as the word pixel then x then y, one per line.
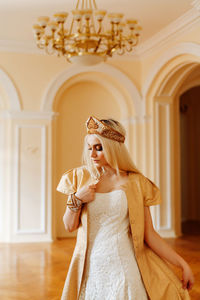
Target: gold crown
pixel 95 126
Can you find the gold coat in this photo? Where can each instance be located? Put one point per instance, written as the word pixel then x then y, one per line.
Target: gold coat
pixel 159 280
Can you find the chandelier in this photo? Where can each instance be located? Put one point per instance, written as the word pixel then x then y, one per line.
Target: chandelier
pixel 85 39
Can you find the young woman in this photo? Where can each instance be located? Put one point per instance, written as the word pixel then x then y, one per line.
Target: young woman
pixel 118 254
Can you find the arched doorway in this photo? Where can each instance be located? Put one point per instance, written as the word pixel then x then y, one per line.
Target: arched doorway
pixel 163 102
pixel 190 159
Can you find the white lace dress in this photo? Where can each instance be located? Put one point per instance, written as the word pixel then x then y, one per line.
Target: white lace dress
pixel 111 271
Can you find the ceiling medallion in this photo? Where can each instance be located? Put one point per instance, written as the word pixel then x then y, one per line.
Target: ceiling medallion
pixel 86 38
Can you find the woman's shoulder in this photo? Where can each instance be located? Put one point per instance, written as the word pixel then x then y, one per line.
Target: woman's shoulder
pixel 72 178
pixel 149 189
pixel 79 174
pixel 140 178
pixel 81 170
pixel 135 175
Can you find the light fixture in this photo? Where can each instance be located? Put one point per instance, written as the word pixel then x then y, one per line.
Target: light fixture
pixel 85 39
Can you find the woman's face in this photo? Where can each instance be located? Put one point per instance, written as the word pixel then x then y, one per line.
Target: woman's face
pixel 96 151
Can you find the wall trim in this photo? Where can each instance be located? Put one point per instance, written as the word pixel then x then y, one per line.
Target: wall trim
pixel 27 115
pixel 181 49
pixel 169 33
pixel 114 88
pixel 43 204
pixel 29 47
pixel 196 4
pixel 192 84
pixel 19 47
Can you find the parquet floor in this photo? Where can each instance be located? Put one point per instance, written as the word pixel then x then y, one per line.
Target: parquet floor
pixel 37 271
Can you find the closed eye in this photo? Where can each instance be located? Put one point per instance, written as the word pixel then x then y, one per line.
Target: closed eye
pixel 97 147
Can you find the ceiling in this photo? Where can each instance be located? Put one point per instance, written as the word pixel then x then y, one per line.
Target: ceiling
pixel 18 16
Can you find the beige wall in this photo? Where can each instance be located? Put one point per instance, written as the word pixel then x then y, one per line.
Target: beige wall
pixel 31 75
pixel 36 145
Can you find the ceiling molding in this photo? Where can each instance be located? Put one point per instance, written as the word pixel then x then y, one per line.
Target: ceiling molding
pixel 27 47
pixel 156 42
pixel 169 33
pixel 27 115
pixel 15 46
pixel 196 4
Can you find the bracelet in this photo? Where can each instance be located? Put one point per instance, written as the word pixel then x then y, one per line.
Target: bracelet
pixel 74 209
pixel 74 203
pixel 77 200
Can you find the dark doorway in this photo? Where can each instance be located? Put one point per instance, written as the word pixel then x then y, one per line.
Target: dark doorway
pixel 190 160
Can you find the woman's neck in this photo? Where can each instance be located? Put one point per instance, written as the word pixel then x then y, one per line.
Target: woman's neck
pixel 108 171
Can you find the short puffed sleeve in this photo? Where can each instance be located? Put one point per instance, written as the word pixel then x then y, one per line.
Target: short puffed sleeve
pixel 68 182
pixel 151 192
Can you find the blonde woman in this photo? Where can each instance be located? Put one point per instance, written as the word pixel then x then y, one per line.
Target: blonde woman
pixel 118 254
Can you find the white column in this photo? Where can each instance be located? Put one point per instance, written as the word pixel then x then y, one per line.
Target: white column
pixel 163 167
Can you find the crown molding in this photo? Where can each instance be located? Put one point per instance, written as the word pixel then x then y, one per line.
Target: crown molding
pixel 157 41
pixel 196 4
pixel 28 115
pixel 169 33
pixel 15 46
pixel 27 47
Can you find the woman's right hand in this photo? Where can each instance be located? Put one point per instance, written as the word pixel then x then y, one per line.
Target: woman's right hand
pixel 86 193
pixel 187 277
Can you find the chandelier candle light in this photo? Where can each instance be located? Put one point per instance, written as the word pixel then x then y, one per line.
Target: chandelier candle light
pixel 85 40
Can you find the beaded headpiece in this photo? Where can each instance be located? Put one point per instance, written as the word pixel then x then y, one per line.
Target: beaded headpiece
pixel 95 126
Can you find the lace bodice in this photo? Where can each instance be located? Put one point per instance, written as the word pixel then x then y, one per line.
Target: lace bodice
pixel 111 271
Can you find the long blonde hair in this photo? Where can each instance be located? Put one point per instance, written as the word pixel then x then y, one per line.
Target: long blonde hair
pixel 116 154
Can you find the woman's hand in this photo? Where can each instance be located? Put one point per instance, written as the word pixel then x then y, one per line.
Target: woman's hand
pixel 86 193
pixel 187 277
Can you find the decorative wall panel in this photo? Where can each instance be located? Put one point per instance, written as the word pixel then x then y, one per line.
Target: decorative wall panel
pixel 30 183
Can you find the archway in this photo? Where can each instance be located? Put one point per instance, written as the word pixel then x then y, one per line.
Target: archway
pixel 104 69
pixel 74 103
pixel 114 84
pixel 163 103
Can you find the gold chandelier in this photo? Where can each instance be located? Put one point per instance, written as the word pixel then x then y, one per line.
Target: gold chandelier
pixel 85 39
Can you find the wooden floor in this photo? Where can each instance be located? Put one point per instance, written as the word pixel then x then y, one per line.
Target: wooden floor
pixel 37 271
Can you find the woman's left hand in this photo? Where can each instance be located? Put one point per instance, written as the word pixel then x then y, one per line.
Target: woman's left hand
pixel 187 277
